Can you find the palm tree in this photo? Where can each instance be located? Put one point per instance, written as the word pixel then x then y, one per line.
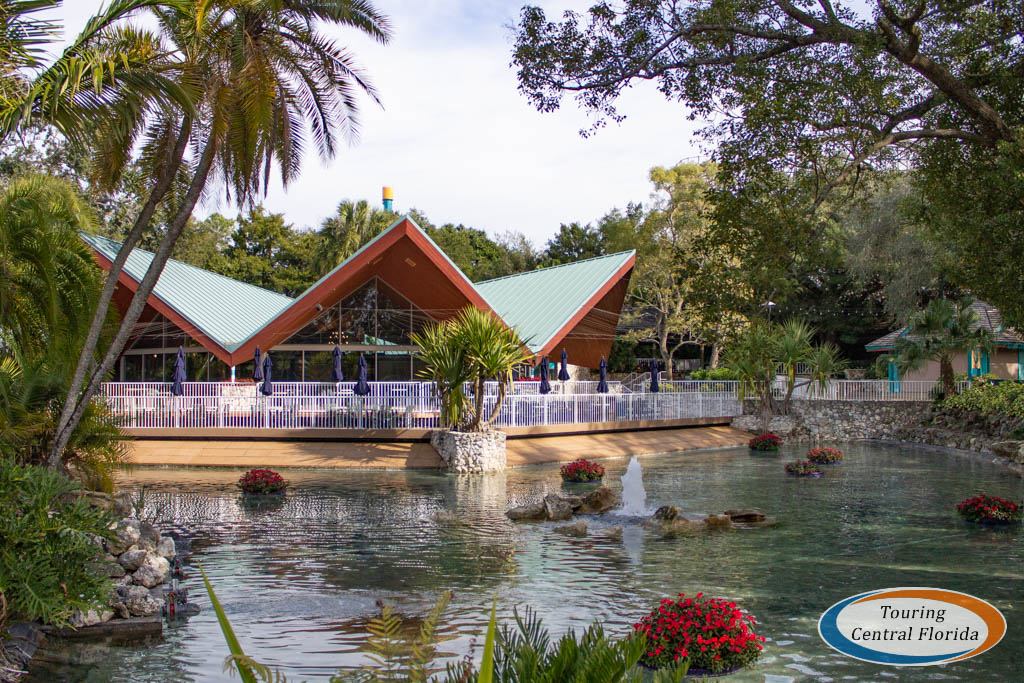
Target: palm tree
pixel 269 79
pixel 492 350
pixel 473 348
pixel 353 225
pixel 48 276
pixel 943 330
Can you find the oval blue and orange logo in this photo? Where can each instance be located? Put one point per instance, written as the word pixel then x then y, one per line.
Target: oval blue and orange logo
pixel 912 626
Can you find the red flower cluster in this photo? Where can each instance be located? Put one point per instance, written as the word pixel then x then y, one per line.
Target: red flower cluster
pixel 765 442
pixel 802 468
pixel 262 481
pixel 984 508
pixel 711 632
pixel 825 456
pixel 582 470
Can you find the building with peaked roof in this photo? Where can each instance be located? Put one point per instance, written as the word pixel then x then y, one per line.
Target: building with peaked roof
pixel 1005 362
pixel 371 304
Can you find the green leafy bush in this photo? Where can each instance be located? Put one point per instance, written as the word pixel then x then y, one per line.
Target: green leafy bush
pixel 720 374
pixel 1006 398
pixel 48 539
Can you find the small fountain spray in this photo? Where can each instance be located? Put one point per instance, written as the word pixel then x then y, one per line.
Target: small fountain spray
pixel 634 497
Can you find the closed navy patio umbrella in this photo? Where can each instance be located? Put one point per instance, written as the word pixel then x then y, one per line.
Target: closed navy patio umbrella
pixel 257 367
pixel 545 385
pixel 267 388
pixel 654 377
pixel 179 378
pixel 563 371
pixel 362 387
pixel 336 374
pixel 602 383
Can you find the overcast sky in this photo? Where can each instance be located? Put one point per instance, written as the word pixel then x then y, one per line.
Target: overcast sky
pixel 457 141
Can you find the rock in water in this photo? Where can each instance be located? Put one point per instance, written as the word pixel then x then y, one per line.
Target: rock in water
pixel 746 515
pixel 126 534
pixel 149 537
pixel 714 522
pixel 557 508
pixel 667 513
pixel 166 547
pixel 578 530
pixel 534 512
pixel 597 501
pixel 132 559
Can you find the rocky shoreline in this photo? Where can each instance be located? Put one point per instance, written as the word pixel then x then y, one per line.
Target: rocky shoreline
pixel 145 567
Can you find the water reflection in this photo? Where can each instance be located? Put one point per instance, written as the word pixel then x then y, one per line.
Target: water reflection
pixel 301 579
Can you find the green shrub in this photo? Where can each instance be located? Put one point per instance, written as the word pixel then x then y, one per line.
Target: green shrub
pixel 720 374
pixel 48 539
pixel 1006 398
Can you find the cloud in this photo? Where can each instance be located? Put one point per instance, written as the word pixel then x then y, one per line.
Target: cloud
pixel 457 141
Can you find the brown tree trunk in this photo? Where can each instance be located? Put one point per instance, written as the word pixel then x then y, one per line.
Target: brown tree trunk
pixel 139 299
pixel 65 424
pixel 946 374
pixel 716 352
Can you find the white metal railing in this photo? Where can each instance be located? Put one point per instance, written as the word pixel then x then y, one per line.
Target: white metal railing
pixel 865 390
pixel 390 405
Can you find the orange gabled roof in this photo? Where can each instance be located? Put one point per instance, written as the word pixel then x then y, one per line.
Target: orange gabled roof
pixel 572 305
pixel 404 257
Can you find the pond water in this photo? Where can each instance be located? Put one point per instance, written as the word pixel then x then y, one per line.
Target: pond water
pixel 300 581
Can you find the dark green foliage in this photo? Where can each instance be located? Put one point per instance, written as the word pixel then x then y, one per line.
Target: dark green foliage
pixel 48 537
pixel 1003 398
pixel 574 242
pixel 623 355
pixel 527 654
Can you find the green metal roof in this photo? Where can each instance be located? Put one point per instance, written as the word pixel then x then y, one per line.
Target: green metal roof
pixel 226 310
pixel 540 302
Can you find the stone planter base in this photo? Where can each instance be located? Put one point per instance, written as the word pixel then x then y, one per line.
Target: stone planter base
pixel 470 452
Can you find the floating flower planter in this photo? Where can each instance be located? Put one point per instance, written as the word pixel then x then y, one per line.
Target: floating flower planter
pixel 262 483
pixel 991 510
pixel 582 471
pixel 825 456
pixel 803 468
pixel 767 443
pixel 712 633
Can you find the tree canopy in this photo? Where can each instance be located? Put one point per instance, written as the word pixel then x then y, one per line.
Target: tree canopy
pixel 804 98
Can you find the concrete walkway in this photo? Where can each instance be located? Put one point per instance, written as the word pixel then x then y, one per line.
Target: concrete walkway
pixel 415 455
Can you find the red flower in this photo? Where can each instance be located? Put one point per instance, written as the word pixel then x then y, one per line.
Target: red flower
pixel 983 508
pixel 582 470
pixel 262 481
pixel 712 633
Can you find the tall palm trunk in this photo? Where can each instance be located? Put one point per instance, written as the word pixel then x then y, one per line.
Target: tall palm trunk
pixel 946 375
pixel 80 399
pixel 66 423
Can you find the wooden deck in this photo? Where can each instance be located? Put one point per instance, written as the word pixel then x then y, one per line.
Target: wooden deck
pixel 526 450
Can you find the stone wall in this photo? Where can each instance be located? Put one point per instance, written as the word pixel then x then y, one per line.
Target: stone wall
pixel 813 421
pixel 470 452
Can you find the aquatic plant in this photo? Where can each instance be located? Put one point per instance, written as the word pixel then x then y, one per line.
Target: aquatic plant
pixel 982 508
pixel 825 456
pixel 582 470
pixel 712 634
pixel 262 481
pixel 802 468
pixel 765 442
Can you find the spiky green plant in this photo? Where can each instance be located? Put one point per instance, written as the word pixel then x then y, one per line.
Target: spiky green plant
pixel 943 330
pixel 472 348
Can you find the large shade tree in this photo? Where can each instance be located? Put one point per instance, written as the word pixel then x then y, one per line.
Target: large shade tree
pixel 804 97
pixel 262 82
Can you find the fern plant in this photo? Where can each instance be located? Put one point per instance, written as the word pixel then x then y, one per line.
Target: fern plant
pixel 526 654
pixel 396 656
